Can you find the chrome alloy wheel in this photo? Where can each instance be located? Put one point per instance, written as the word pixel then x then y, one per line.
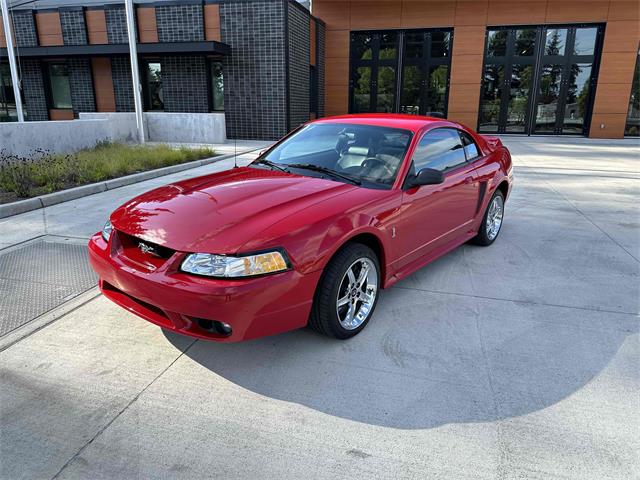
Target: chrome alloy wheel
pixel 494 217
pixel 357 293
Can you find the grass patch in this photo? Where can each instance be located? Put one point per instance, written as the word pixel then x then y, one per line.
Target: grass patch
pixel 41 172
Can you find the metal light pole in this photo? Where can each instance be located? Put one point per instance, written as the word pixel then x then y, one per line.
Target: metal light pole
pixel 12 58
pixel 135 76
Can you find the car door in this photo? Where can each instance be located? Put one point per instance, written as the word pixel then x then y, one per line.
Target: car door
pixel 434 215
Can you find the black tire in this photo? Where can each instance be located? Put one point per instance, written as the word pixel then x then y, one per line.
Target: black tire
pixel 324 313
pixel 483 237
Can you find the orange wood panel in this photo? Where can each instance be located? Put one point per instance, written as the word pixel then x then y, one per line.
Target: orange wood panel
pixel 96 27
pixel 613 123
pixel 336 14
pixel 577 11
pixel 3 41
pixel 510 12
pixel 49 29
pixel 621 36
pixel 337 71
pixel 624 10
pixel 337 43
pixel 147 29
pixel 469 119
pixel 212 22
pixel 426 13
pixel 60 114
pixel 336 99
pixel 466 68
pixel 469 40
pixel 617 67
pixel 464 97
pixel 385 14
pixel 103 84
pixel 471 12
pixel 312 41
pixel 612 98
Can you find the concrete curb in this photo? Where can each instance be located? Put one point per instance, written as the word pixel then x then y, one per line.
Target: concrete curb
pixel 23 206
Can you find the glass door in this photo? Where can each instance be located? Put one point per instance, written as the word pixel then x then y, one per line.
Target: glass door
pixel 416 61
pixel 374 72
pixel 539 79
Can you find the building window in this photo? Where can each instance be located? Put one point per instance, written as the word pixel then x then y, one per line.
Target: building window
pixel 217 87
pixel 401 71
pixel 154 98
pixel 539 79
pixel 59 85
pixel 633 116
pixel 8 112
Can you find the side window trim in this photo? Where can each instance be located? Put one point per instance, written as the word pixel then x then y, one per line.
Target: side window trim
pixel 464 134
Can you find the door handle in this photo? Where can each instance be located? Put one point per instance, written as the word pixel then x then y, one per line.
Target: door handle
pixel 468 180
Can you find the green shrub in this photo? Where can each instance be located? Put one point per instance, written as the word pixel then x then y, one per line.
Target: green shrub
pixel 41 172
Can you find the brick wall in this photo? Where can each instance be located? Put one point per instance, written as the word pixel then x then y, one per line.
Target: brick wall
pixel 81 84
pixel 298 44
pixel 116 19
pixel 320 66
pixel 74 31
pixel 33 90
pixel 24 28
pixel 122 84
pixel 184 84
pixel 180 23
pixel 254 73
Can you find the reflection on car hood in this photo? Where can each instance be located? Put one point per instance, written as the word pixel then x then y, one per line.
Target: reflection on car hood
pixel 219 213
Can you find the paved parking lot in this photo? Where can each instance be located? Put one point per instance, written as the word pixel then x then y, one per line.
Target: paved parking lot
pixel 520 360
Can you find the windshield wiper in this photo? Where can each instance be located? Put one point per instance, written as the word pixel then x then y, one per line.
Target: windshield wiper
pixel 269 163
pixel 318 168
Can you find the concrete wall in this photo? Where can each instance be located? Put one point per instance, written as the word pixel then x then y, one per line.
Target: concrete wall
pixel 64 136
pixel 185 127
pixel 72 135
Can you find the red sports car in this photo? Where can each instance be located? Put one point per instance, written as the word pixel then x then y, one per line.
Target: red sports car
pixel 309 232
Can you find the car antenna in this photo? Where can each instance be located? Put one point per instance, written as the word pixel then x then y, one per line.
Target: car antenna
pixel 235 153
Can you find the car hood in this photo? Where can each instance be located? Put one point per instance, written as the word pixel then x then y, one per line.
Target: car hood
pixel 221 212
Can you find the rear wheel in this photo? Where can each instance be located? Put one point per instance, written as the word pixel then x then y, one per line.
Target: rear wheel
pixel 347 293
pixel 492 221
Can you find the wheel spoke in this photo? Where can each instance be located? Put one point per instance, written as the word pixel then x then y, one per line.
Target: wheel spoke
pixel 352 277
pixel 364 272
pixel 343 301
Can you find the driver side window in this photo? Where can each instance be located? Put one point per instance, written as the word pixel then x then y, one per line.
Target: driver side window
pixel 440 149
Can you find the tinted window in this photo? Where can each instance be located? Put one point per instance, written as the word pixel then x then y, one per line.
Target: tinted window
pixel 470 147
pixel 439 149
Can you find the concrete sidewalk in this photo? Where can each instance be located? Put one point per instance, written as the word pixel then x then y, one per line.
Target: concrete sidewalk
pixel 520 360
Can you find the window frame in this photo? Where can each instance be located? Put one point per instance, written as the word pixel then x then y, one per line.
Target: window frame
pixel 210 62
pixel 146 93
pixel 49 85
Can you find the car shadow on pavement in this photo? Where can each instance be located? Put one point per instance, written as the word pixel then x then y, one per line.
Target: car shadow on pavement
pixel 427 360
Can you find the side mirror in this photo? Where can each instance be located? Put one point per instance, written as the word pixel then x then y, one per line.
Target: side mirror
pixel 427 176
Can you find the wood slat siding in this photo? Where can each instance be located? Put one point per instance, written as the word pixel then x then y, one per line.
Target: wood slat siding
pixel 60 114
pixel 103 84
pixel 49 29
pixel 470 18
pixel 147 29
pixel 96 27
pixel 212 22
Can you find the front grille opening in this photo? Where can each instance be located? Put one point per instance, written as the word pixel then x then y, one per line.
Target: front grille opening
pixel 150 248
pixel 214 326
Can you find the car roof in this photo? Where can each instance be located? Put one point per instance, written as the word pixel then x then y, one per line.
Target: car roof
pixel 413 123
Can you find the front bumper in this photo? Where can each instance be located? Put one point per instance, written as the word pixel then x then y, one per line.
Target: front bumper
pixel 253 307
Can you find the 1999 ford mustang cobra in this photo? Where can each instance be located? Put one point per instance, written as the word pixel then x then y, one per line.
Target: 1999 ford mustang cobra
pixel 309 232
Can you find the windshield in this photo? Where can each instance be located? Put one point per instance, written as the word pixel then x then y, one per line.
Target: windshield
pixel 369 155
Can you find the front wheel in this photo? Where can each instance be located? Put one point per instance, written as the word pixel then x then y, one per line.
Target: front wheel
pixel 347 293
pixel 492 221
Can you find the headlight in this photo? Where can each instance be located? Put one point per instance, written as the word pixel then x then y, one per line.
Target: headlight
pixel 106 231
pixel 234 267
